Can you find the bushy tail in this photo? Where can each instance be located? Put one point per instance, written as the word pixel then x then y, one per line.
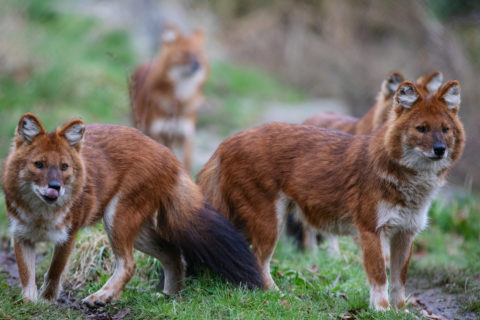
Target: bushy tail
pixel 214 243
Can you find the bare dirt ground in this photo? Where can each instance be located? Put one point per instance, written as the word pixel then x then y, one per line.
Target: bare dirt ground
pixel 435 302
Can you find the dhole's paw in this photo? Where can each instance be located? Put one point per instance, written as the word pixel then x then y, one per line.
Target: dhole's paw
pixel 30 293
pixel 380 305
pixel 49 293
pixel 99 298
pixel 397 297
pixel 379 298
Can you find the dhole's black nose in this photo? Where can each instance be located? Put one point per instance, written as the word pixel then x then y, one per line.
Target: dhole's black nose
pixel 439 149
pixel 194 63
pixel 54 184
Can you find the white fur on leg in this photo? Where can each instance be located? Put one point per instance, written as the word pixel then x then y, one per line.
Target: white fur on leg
pixel 281 209
pixel 310 238
pixel 30 292
pixel 385 242
pixel 379 297
pixel 110 290
pixel 333 247
pixel 267 276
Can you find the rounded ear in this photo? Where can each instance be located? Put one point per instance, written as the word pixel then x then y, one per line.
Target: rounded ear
pixel 391 83
pixel 72 132
pixel 450 94
pixel 430 82
pixel 29 127
pixel 170 34
pixel 407 94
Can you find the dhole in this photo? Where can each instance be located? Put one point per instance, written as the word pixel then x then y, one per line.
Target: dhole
pixel 166 94
pixel 378 114
pixel 58 182
pixel 378 185
pixel 373 119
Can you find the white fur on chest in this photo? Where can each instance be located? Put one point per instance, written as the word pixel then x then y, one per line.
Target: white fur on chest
pixel 183 127
pixel 186 86
pixel 417 193
pixel 37 227
pixel 390 216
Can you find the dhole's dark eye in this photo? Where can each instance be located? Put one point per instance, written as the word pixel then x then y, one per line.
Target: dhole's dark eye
pixel 445 130
pixel 421 129
pixel 64 166
pixel 38 164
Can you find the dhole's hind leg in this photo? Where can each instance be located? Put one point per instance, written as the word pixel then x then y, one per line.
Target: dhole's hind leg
pixel 263 246
pixel 309 238
pixel 333 246
pixel 122 227
pixel 149 241
pixel 264 233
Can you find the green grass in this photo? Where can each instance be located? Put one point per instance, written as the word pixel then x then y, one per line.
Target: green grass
pixel 311 287
pixel 77 68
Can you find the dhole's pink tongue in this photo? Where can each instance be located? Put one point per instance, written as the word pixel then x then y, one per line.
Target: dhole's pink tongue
pixel 51 193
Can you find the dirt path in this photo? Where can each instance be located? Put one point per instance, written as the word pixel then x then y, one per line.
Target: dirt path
pixel 435 302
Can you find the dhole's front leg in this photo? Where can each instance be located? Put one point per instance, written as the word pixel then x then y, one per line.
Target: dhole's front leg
pixel 51 284
pixel 374 264
pixel 401 252
pixel 187 152
pixel 25 256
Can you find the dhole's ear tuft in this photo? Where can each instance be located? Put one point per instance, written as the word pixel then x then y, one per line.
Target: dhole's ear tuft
pixel 29 127
pixel 406 95
pixel 391 83
pixel 170 34
pixel 431 82
pixel 73 132
pixel 450 93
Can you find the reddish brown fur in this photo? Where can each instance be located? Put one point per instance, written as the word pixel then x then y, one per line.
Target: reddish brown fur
pixel 373 119
pixel 341 183
pixel 155 94
pixel 115 173
pixel 377 115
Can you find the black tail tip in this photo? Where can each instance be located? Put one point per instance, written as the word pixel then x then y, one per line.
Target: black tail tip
pixel 214 243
